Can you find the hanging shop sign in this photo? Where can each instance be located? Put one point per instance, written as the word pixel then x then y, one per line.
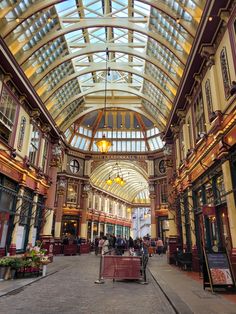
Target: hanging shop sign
pixel 209 210
pixel 217 271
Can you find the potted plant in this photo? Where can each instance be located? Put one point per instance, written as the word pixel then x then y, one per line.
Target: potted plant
pixel 2 269
pixel 6 262
pixel 15 263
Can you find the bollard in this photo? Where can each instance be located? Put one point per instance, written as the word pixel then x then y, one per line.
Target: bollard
pixel 44 270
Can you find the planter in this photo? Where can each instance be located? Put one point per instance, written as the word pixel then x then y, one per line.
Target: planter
pixel 2 272
pixel 13 273
pixel 7 273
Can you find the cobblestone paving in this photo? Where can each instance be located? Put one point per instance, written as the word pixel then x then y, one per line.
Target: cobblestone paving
pixel 72 290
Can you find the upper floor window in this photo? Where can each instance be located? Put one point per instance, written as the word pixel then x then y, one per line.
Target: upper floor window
pixel 209 98
pixel 72 192
pixel 21 133
pixel 225 72
pixel 199 116
pixel 34 145
pixel 181 144
pixel 190 133
pixel 7 113
pixel 74 166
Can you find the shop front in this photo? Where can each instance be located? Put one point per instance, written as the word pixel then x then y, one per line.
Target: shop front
pixel 210 212
pixel 70 226
pixel 8 197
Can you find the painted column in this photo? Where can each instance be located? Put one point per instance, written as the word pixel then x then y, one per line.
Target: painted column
pixel 191 216
pixel 60 203
pixel 12 248
pixel 99 228
pixel 182 211
pixel 92 224
pixel 153 209
pixel 84 225
pixel 31 238
pixel 105 228
pixel 50 202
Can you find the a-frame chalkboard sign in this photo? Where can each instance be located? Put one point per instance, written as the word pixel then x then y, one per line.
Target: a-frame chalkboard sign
pixel 217 270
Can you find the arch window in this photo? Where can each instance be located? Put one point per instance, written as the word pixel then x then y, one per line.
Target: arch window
pixel 34 145
pixel 209 98
pixel 225 72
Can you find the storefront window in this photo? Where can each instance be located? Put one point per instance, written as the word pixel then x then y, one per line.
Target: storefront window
pixel 70 227
pixel 220 190
pixel 198 199
pixel 209 193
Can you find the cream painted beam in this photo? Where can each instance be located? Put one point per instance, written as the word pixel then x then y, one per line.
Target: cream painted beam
pixel 115 87
pixel 7 28
pixel 91 64
pixel 100 48
pixel 105 22
pixel 130 45
pixel 102 67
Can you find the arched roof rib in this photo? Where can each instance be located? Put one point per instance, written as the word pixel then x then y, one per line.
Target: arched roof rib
pixel 110 87
pixel 92 49
pixel 10 26
pixel 109 22
pixel 133 174
pixel 114 67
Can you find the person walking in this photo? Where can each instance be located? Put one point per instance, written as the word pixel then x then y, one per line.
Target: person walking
pixel 159 246
pixel 105 246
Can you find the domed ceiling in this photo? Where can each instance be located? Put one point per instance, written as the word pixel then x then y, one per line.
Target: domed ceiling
pixel 66 49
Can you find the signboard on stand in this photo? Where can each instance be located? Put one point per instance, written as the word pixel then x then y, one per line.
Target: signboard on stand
pixel 217 271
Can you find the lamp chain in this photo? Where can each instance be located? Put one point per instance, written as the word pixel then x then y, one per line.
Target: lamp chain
pixel 105 99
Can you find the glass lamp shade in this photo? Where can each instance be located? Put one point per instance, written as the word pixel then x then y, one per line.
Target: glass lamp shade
pixel 122 182
pixel 109 181
pixel 117 179
pixel 103 144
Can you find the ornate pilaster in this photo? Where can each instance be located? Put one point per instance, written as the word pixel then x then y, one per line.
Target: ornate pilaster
pixel 152 197
pixel 60 202
pixel 85 205
pixel 31 238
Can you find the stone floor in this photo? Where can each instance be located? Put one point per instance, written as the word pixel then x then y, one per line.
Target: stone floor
pixel 71 289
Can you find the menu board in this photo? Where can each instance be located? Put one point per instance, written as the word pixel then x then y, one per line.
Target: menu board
pixel 219 268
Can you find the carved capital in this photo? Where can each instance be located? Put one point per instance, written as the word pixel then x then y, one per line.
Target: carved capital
pixel 225 15
pixel 210 62
pixel 7 78
pixel 189 98
pixel 207 51
pixel 181 114
pixel 22 98
pixel 46 128
pixel 34 115
pixel 175 129
pixel 198 78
